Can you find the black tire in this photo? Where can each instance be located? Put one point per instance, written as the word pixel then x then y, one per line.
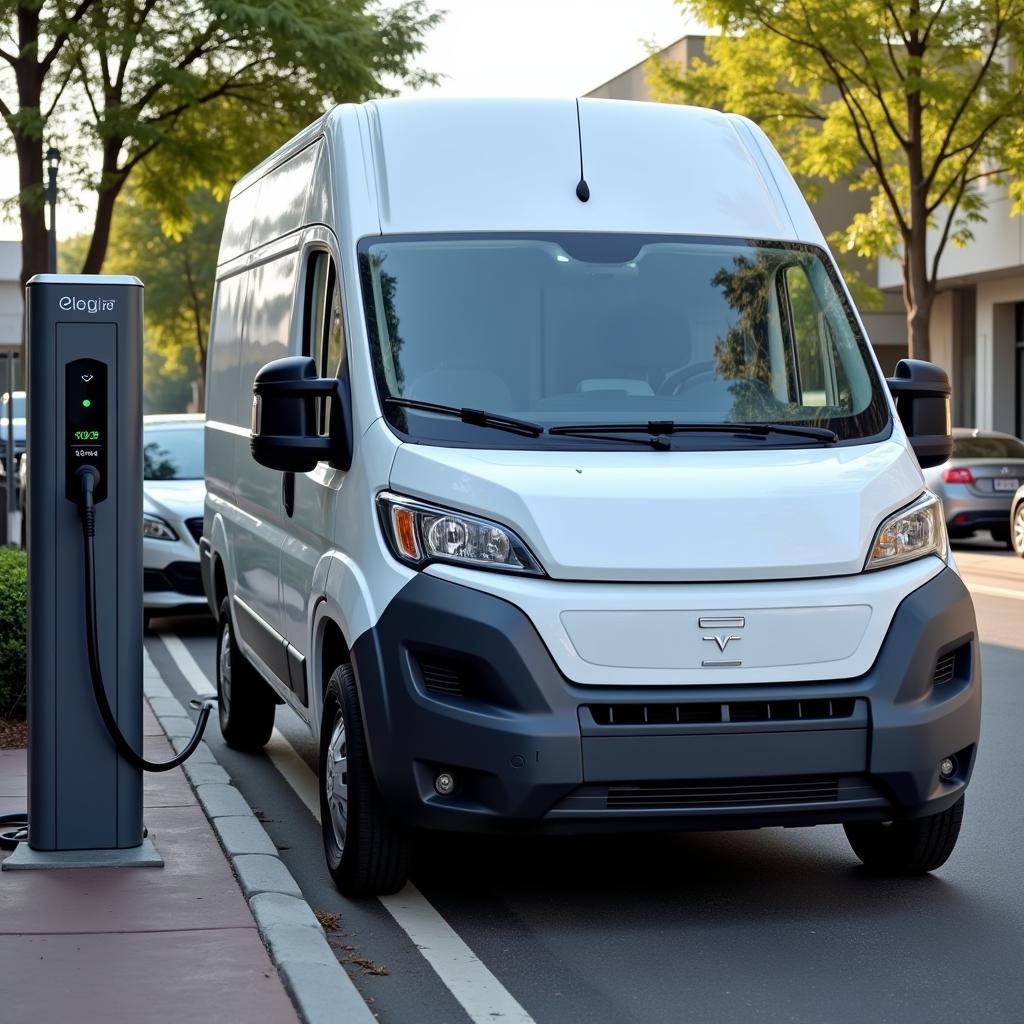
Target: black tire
pixel 1017 530
pixel 912 847
pixel 245 703
pixel 367 853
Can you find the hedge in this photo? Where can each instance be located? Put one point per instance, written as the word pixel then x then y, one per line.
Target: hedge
pixel 13 631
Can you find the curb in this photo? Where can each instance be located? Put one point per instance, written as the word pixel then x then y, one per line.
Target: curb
pixel 319 986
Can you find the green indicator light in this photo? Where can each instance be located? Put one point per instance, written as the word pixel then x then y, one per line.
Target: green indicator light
pixel 86 403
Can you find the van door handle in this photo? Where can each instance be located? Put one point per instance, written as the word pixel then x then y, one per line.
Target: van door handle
pixel 288 492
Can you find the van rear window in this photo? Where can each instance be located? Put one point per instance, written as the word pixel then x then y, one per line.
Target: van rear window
pixel 561 330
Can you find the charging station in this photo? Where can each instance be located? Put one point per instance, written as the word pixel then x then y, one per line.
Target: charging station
pixel 84 390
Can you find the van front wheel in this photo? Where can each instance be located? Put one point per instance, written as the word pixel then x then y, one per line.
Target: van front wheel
pixel 912 847
pixel 367 854
pixel 245 703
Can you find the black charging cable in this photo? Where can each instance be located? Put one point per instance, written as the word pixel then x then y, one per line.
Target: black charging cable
pixel 88 477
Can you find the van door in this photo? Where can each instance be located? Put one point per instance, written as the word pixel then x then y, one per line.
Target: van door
pixel 261 528
pixel 310 499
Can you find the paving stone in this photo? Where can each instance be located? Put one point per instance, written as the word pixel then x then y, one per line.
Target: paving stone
pixel 219 800
pixel 258 873
pixel 154 686
pixel 203 754
pixel 178 728
pixel 275 909
pixel 164 707
pixel 324 994
pixel 243 835
pixel 202 772
pixel 298 943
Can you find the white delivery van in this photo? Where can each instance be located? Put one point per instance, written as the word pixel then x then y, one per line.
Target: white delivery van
pixel 553 483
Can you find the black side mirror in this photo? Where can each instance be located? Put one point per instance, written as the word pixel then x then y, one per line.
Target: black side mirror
pixel 284 420
pixel 922 391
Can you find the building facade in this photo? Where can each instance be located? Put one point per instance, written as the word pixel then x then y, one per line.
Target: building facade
pixel 10 295
pixel 977 328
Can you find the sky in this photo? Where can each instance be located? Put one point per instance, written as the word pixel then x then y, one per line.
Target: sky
pixel 507 48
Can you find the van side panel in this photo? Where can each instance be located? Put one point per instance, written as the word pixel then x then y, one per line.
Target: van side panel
pixel 224 417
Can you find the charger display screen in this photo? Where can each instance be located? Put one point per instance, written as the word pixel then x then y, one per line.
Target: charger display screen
pixel 85 422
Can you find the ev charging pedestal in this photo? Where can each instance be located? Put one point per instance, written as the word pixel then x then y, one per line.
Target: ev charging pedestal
pixel 84 341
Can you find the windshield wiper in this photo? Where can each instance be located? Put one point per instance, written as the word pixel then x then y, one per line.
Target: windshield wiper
pixel 659 428
pixel 475 417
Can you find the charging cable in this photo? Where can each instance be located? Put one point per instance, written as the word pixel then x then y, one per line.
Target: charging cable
pixel 88 477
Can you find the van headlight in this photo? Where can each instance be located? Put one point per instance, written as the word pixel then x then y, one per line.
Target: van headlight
pixel 915 531
pixel 419 533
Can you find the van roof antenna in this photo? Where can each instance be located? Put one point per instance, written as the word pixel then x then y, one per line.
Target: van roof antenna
pixel 582 188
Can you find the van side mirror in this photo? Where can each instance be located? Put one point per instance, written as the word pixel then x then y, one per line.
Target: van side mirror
pixel 922 391
pixel 284 417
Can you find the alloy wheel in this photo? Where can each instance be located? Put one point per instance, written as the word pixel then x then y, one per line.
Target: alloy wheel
pixel 1018 530
pixel 224 661
pixel 336 780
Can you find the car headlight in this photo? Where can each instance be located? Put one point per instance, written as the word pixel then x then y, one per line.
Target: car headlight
pixel 155 528
pixel 419 533
pixel 915 531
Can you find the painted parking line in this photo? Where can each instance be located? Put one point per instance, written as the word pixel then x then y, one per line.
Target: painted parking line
pixel 464 974
pixel 984 588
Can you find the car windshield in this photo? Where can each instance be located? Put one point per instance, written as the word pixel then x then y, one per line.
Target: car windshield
pixel 987 448
pixel 173 453
pixel 583 329
pixel 19 407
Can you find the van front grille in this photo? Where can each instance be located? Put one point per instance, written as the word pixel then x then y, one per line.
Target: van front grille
pixel 945 669
pixel 444 677
pixel 797 789
pixel 816 708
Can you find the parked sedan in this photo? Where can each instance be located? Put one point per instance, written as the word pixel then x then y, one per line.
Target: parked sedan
pixel 1017 522
pixel 977 485
pixel 172 516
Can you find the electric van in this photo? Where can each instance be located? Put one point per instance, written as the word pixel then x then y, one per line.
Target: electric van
pixel 552 481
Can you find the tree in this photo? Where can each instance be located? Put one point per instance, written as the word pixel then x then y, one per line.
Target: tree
pixel 178 270
pixel 916 102
pixel 188 91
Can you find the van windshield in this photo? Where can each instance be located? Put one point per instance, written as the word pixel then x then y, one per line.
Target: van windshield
pixel 581 329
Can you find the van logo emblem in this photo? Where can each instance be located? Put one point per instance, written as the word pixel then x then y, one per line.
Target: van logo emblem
pixel 722 640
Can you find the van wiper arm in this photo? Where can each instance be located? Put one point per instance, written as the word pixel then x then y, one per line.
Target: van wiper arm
pixel 475 417
pixel 658 428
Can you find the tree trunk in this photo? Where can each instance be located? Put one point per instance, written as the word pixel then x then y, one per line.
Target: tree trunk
pixel 111 183
pixel 29 151
pixel 918 293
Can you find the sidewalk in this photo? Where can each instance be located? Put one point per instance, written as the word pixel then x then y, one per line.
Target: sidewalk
pixel 157 945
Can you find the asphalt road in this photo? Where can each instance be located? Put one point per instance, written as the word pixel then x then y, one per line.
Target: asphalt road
pixel 770 925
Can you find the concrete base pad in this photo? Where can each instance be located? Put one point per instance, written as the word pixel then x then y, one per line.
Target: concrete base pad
pixel 24 858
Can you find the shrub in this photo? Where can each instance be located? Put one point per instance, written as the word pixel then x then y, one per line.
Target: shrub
pixel 13 631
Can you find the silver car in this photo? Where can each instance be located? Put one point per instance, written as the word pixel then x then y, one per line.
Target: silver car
pixel 977 485
pixel 172 514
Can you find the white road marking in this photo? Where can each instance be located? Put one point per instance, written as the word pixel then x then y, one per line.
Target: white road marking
pixel 283 755
pixel 983 588
pixel 464 974
pixel 478 991
pixel 187 665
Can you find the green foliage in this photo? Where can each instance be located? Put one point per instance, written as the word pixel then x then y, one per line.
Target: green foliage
pixel 178 271
pixel 187 94
pixel 918 103
pixel 13 632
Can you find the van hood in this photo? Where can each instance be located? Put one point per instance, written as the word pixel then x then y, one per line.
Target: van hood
pixel 676 516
